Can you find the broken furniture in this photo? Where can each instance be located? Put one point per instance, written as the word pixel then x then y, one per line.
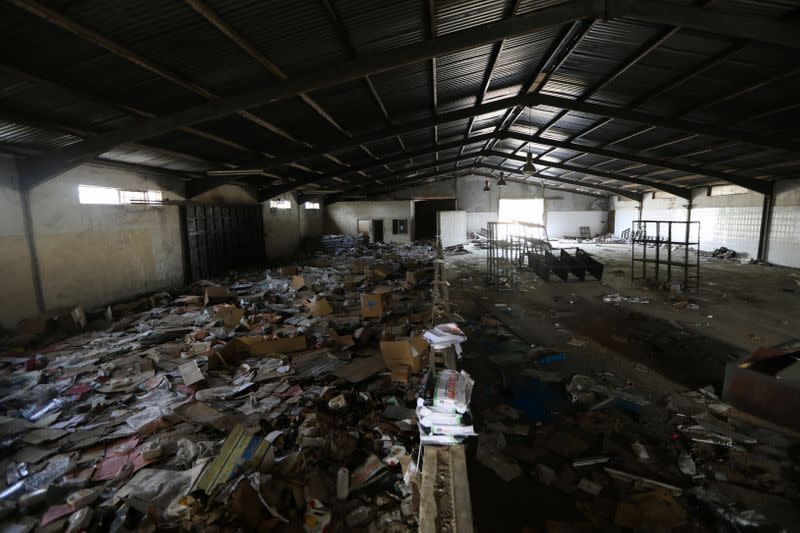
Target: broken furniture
pixel 582 263
pixel 674 253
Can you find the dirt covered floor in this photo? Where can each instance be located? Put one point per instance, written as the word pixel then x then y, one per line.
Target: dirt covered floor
pixel 527 345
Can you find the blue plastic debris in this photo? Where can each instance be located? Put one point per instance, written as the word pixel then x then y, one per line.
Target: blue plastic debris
pixel 550 359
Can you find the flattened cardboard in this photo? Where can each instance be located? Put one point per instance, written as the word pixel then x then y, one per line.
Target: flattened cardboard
pixel 360 369
pixel 191 373
pixel 410 352
pixel 229 314
pixel 372 305
pixel 216 294
pixel 298 282
pixel 321 308
pixel 414 276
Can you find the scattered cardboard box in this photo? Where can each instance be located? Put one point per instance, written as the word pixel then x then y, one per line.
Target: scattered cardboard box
pixel 216 294
pixel 298 282
pixel 321 307
pixel 415 276
pixel 238 349
pixel 408 351
pixel 287 270
pixel 229 314
pixel 372 305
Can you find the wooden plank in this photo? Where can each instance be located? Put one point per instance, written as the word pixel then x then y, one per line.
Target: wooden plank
pixel 445 503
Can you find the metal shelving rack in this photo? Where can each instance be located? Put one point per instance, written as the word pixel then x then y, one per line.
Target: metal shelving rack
pixel 679 237
pixel 503 254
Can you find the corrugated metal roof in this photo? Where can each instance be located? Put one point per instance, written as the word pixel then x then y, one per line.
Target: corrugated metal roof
pixel 92 84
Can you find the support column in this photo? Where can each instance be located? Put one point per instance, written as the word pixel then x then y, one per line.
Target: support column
pixel 766 224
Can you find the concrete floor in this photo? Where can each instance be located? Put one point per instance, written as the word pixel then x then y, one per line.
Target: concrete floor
pixel 654 348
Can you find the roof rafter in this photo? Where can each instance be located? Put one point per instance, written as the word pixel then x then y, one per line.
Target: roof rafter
pixel 354 69
pixel 526 100
pixel 749 183
pixel 94 37
pixel 425 176
pixel 666 187
pixel 745 27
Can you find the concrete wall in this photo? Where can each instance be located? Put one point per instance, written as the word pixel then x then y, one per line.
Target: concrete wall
pixel 285 229
pixel 227 194
pixel 16 283
pixel 784 236
pixel 565 211
pixel 732 221
pixel 92 255
pixel 341 217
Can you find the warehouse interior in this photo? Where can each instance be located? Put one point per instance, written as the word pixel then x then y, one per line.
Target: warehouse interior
pixel 202 202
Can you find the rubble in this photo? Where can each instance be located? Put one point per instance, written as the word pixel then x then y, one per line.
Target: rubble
pixel 629 460
pixel 260 399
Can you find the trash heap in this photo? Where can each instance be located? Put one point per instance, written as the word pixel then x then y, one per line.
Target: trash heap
pixel 443 413
pixel 611 456
pixel 276 399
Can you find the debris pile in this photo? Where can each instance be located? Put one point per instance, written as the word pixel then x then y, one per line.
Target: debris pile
pixel 724 253
pixel 269 399
pixel 623 458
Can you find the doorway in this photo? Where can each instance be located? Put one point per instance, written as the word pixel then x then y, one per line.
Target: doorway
pixel 425 216
pixel 377 230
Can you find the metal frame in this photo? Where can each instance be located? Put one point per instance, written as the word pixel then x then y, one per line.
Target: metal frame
pixel 577 17
pixel 502 255
pixel 648 234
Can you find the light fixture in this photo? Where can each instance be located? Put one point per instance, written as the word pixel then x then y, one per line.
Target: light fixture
pixel 528 168
pixel 486 187
pixel 237 172
pixel 502 181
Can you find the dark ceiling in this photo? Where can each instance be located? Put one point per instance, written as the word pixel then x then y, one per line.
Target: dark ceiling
pixel 344 97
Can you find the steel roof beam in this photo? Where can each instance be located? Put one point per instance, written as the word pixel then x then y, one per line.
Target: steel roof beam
pixel 552 61
pixel 460 173
pixel 387 188
pixel 498 49
pixel 639 160
pixel 344 36
pixel 749 183
pixel 636 180
pixel 715 22
pixel 525 100
pixel 53 17
pixel 648 47
pixel 337 74
pixel 128 110
pixel 212 17
pixel 431 18
pixel 396 158
pixel 666 187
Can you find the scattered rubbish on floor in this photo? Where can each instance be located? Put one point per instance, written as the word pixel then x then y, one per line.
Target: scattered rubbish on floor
pixel 617 298
pixel 243 403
